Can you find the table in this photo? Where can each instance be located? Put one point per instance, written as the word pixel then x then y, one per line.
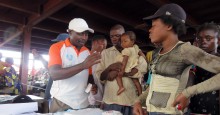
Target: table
pixel 6 99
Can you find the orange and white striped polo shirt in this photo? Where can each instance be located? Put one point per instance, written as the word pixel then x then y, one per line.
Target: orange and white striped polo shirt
pixel 70 91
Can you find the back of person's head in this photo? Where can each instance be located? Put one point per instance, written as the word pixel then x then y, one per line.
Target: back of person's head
pixel 61 37
pixel 118 27
pixel 170 14
pixel 9 60
pixel 209 26
pixel 131 35
pixel 98 37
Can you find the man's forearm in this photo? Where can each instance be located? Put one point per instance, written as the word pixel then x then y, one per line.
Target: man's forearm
pixel 104 74
pixel 58 73
pixel 203 87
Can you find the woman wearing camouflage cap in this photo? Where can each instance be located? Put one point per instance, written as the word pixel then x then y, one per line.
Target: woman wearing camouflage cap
pixel 170 68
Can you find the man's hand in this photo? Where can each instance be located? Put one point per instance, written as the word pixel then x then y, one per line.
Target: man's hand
pixel 133 72
pixel 111 72
pixel 91 60
pixel 182 101
pixel 121 73
pixel 97 48
pixel 115 66
pixel 114 70
pixel 94 89
pixel 137 109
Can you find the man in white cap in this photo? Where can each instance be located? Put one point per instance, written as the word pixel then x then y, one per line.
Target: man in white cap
pixel 69 63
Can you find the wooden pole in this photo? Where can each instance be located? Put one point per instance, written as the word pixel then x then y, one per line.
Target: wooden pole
pixel 25 57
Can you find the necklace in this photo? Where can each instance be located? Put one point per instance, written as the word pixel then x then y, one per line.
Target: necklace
pixel 169 50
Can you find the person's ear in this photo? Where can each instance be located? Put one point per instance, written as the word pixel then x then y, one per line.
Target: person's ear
pixel 169 27
pixel 70 32
pixel 133 41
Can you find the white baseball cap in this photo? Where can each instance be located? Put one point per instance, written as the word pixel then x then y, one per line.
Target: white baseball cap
pixel 79 25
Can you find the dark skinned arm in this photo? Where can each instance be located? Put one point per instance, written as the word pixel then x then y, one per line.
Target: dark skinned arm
pixel 113 67
pixel 94 88
pixel 133 72
pixel 104 74
pixel 58 73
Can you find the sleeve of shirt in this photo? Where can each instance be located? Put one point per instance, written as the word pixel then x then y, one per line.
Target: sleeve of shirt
pixel 136 48
pixel 211 63
pixel 126 52
pixel 54 54
pixel 142 68
pixel 101 66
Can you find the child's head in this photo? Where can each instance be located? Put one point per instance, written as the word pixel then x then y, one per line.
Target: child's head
pixel 128 39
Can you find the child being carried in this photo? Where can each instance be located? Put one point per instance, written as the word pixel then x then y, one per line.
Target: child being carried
pixel 130 55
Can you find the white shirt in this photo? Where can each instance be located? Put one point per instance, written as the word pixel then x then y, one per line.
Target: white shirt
pixel 71 91
pixel 95 99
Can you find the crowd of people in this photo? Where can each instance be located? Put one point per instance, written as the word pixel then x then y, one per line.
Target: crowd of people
pixel 176 70
pixel 182 78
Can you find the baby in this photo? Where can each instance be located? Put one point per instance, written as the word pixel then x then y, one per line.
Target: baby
pixel 130 55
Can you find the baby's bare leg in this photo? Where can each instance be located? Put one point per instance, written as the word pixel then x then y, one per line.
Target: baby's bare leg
pixel 120 84
pixel 138 85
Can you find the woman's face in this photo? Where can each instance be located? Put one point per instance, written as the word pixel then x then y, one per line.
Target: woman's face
pixel 158 31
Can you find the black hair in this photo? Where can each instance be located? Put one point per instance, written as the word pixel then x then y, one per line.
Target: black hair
pixel 131 35
pixel 178 26
pixel 98 37
pixel 209 26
